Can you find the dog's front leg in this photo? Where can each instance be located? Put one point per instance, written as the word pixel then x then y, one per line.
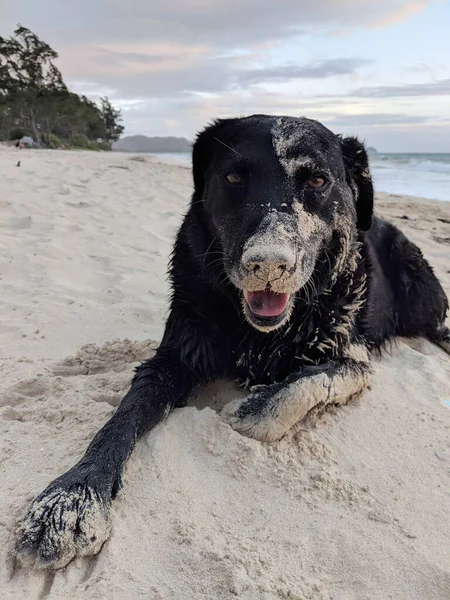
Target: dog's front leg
pixel 271 410
pixel 71 516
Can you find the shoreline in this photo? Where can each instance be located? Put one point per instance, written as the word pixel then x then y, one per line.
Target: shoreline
pixel 173 159
pixel 378 171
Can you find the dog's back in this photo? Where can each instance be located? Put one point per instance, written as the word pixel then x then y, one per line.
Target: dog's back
pixel 404 297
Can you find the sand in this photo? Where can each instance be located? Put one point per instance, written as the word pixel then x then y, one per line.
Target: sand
pixel 353 504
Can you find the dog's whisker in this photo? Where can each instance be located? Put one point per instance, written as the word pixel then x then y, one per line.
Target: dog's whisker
pixel 210 253
pixel 207 250
pixel 224 277
pixel 215 262
pixel 235 152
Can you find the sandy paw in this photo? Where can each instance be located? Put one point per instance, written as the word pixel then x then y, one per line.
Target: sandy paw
pixel 445 343
pixel 61 524
pixel 442 338
pixel 251 419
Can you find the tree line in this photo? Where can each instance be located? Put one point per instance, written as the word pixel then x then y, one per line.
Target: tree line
pixel 35 101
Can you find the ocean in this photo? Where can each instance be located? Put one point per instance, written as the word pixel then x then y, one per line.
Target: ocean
pixel 423 175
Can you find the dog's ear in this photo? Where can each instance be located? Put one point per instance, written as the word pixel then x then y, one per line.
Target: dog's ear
pixel 203 150
pixel 360 180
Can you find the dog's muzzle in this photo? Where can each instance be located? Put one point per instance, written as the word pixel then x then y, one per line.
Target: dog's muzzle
pixel 268 264
pixel 266 270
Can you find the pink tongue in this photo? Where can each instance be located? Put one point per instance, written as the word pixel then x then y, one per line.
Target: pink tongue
pixel 266 304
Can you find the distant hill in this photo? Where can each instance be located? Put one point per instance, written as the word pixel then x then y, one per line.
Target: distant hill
pixel 371 150
pixel 142 143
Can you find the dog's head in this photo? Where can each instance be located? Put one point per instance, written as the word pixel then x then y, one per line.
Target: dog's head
pixel 281 195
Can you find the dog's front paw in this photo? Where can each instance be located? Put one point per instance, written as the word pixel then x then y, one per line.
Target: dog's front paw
pixel 444 340
pixel 61 523
pixel 256 415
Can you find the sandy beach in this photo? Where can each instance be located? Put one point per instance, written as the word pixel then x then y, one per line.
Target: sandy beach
pixel 353 504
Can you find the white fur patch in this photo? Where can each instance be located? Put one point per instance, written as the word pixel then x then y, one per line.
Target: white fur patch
pixel 308 224
pixel 292 403
pixel 284 138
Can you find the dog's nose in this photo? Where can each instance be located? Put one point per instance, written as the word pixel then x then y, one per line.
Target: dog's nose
pixel 268 263
pixel 261 265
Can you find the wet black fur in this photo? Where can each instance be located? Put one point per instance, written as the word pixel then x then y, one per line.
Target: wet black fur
pixel 207 336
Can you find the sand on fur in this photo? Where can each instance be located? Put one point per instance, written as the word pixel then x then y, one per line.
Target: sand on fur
pixel 351 505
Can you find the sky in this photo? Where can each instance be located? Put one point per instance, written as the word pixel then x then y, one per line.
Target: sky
pixel 379 70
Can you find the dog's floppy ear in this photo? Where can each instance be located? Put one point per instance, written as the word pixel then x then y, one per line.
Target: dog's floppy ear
pixel 358 175
pixel 203 150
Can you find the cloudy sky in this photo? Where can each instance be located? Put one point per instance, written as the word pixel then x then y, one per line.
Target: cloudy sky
pixel 377 68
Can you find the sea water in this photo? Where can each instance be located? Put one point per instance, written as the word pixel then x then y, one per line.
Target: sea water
pixel 423 175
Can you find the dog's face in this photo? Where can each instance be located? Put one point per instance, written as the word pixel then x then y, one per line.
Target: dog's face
pixel 279 193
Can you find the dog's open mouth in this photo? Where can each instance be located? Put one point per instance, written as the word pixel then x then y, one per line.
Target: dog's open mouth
pixel 266 303
pixel 266 309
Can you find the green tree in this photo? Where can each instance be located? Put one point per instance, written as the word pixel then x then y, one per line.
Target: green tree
pixel 28 77
pixel 111 118
pixel 34 98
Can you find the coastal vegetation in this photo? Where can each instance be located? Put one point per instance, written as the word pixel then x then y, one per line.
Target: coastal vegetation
pixel 36 103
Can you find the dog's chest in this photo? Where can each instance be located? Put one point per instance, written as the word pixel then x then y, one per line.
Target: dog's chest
pixel 265 359
pixel 315 335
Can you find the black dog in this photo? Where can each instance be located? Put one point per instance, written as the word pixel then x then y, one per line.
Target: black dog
pixel 281 280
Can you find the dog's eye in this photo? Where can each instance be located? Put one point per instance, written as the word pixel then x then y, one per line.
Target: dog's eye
pixel 316 182
pixel 233 178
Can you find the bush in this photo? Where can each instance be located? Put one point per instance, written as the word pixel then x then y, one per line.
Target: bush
pixel 54 141
pixel 79 140
pixel 106 146
pixel 16 133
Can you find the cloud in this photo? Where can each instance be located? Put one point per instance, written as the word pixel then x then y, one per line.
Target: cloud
pixel 376 120
pixel 315 70
pixel 189 112
pixel 150 75
pixel 434 88
pixel 108 58
pixel 148 48
pixel 173 65
pixel 218 23
pixel 335 114
pixel 160 81
pixel 400 14
pixel 414 138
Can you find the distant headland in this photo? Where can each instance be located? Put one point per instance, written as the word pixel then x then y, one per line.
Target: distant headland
pixel 143 143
